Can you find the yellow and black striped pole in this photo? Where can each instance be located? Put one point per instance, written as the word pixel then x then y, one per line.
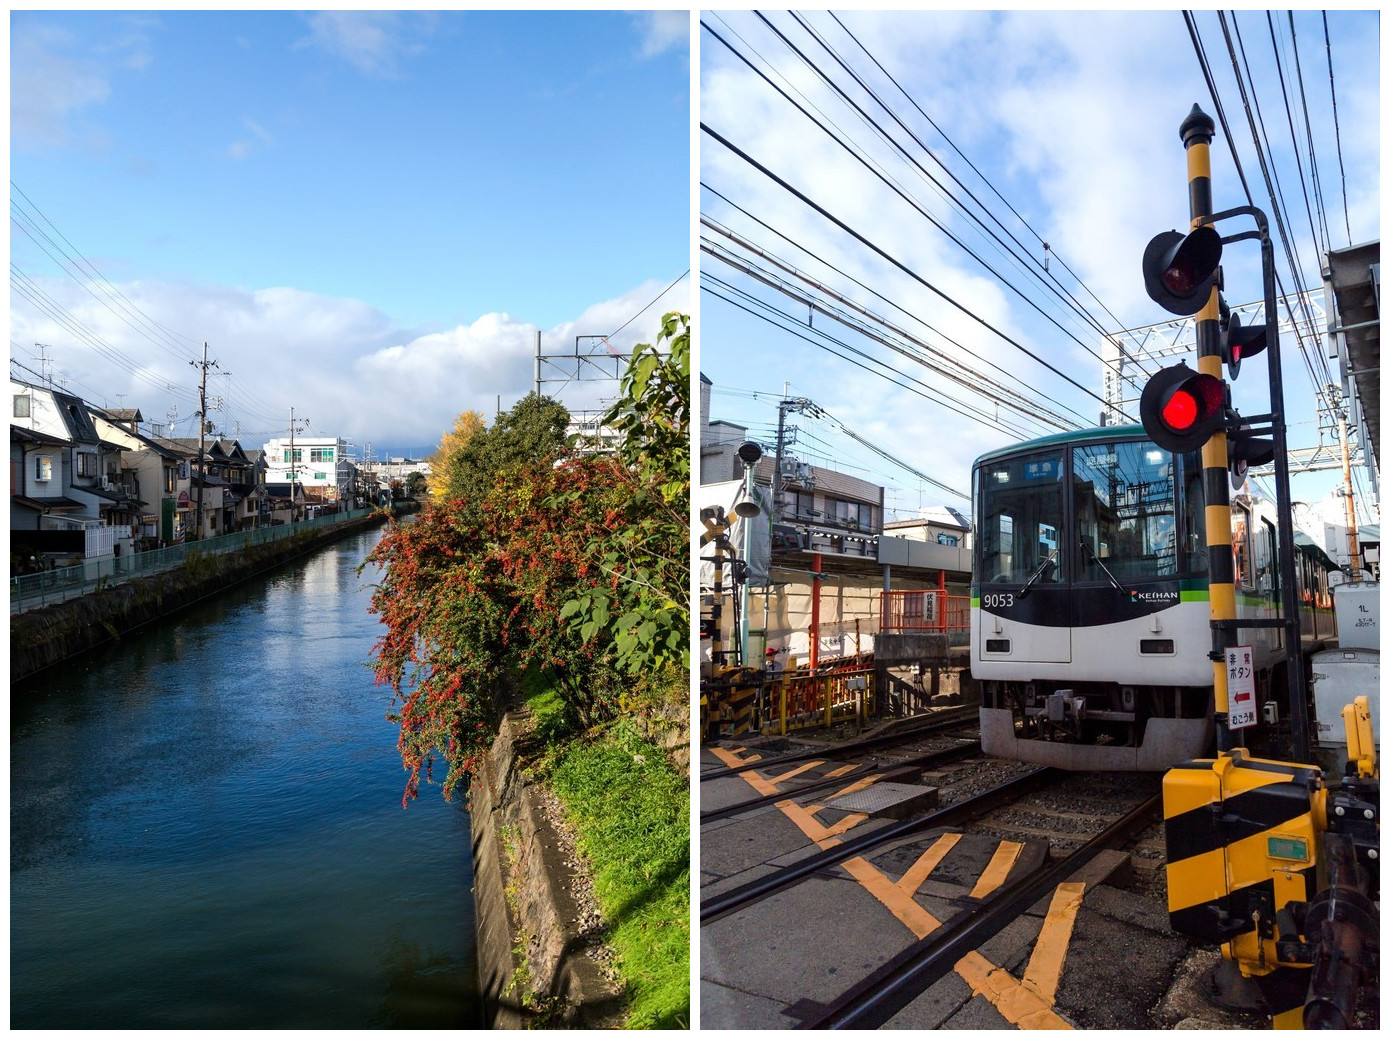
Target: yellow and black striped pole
pixel 1197 132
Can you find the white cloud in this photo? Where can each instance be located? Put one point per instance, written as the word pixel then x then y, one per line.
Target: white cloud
pixel 663 31
pixel 241 149
pixel 341 362
pixel 374 42
pixel 1072 117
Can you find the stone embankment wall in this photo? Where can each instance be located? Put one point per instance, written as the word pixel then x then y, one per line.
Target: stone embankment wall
pixel 539 955
pixel 535 961
pixel 41 639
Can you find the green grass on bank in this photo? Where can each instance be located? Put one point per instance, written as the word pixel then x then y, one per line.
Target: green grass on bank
pixel 631 813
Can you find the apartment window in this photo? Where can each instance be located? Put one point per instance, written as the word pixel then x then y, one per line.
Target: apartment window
pixel 854 514
pixel 947 539
pixel 21 406
pixel 86 464
pixel 43 467
pixel 320 454
pixel 170 480
pixel 298 455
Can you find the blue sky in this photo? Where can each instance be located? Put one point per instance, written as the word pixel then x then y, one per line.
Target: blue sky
pixel 1073 118
pixel 368 216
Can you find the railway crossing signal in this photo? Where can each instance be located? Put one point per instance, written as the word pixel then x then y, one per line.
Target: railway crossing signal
pixel 1238 342
pixel 1182 409
pixel 1244 449
pixel 1179 270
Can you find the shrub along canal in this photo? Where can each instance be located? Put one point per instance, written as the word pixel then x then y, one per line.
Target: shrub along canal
pixel 206 828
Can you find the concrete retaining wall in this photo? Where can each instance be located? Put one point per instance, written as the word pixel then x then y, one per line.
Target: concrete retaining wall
pixel 534 965
pixel 43 638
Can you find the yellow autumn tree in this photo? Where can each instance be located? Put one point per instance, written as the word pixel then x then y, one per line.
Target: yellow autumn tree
pixel 452 442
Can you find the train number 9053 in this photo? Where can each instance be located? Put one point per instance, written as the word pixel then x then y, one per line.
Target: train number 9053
pixel 998 599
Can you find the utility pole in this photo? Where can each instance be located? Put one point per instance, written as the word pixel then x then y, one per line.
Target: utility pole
pixel 205 364
pixel 294 467
pixel 1353 548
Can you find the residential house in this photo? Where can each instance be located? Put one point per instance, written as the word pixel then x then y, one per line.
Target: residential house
pixel 229 482
pixel 154 472
pixel 285 503
pixel 61 495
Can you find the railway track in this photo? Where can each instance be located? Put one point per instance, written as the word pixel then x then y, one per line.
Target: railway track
pixel 976 805
pixel 875 999
pixel 894 735
pixel 1043 825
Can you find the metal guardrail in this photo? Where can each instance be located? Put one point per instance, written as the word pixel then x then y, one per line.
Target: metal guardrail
pixel 805 700
pixel 31 591
pixel 924 610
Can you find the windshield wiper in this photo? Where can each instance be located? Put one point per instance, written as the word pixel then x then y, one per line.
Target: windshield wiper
pixel 1028 585
pixel 1086 548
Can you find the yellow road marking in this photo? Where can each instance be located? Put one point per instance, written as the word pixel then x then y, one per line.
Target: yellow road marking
pixel 729 756
pixel 1028 1003
pixel 804 818
pixel 1050 952
pixel 927 862
pixel 1020 1006
pixel 997 870
pixel 899 903
pixel 818 832
pixel 858 785
pixel 897 895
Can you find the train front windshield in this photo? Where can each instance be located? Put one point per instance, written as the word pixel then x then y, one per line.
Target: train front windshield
pixel 1105 512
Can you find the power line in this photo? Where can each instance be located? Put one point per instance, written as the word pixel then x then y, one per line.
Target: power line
pixel 891 259
pixel 925 355
pixel 961 347
pixel 1337 126
pixel 903 195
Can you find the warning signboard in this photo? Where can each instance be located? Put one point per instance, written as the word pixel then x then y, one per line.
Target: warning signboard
pixel 1240 686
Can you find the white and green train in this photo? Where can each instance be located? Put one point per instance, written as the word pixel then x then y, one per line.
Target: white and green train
pixel 1090 611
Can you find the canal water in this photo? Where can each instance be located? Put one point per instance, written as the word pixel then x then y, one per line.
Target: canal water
pixel 206 828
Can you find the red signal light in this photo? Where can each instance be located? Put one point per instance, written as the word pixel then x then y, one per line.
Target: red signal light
pixel 1181 409
pixel 1178 280
pixel 1179 270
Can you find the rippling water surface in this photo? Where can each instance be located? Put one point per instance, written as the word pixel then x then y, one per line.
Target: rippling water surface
pixel 206 828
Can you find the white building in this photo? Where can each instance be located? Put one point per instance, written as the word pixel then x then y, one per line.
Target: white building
pixel 320 466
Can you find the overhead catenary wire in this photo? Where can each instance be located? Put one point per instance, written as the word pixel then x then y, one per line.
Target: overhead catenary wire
pixel 1318 387
pixel 973 167
pixel 1023 260
pixel 1336 125
pixel 896 189
pixel 801 196
pixel 818 337
pixel 925 355
pixel 820 260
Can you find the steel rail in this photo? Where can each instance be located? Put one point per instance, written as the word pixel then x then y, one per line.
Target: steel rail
pixel 735 899
pixel 874 1000
pixel 927 724
pixel 923 761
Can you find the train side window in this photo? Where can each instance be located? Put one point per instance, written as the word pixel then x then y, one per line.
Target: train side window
pixel 1267 560
pixel 1240 545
